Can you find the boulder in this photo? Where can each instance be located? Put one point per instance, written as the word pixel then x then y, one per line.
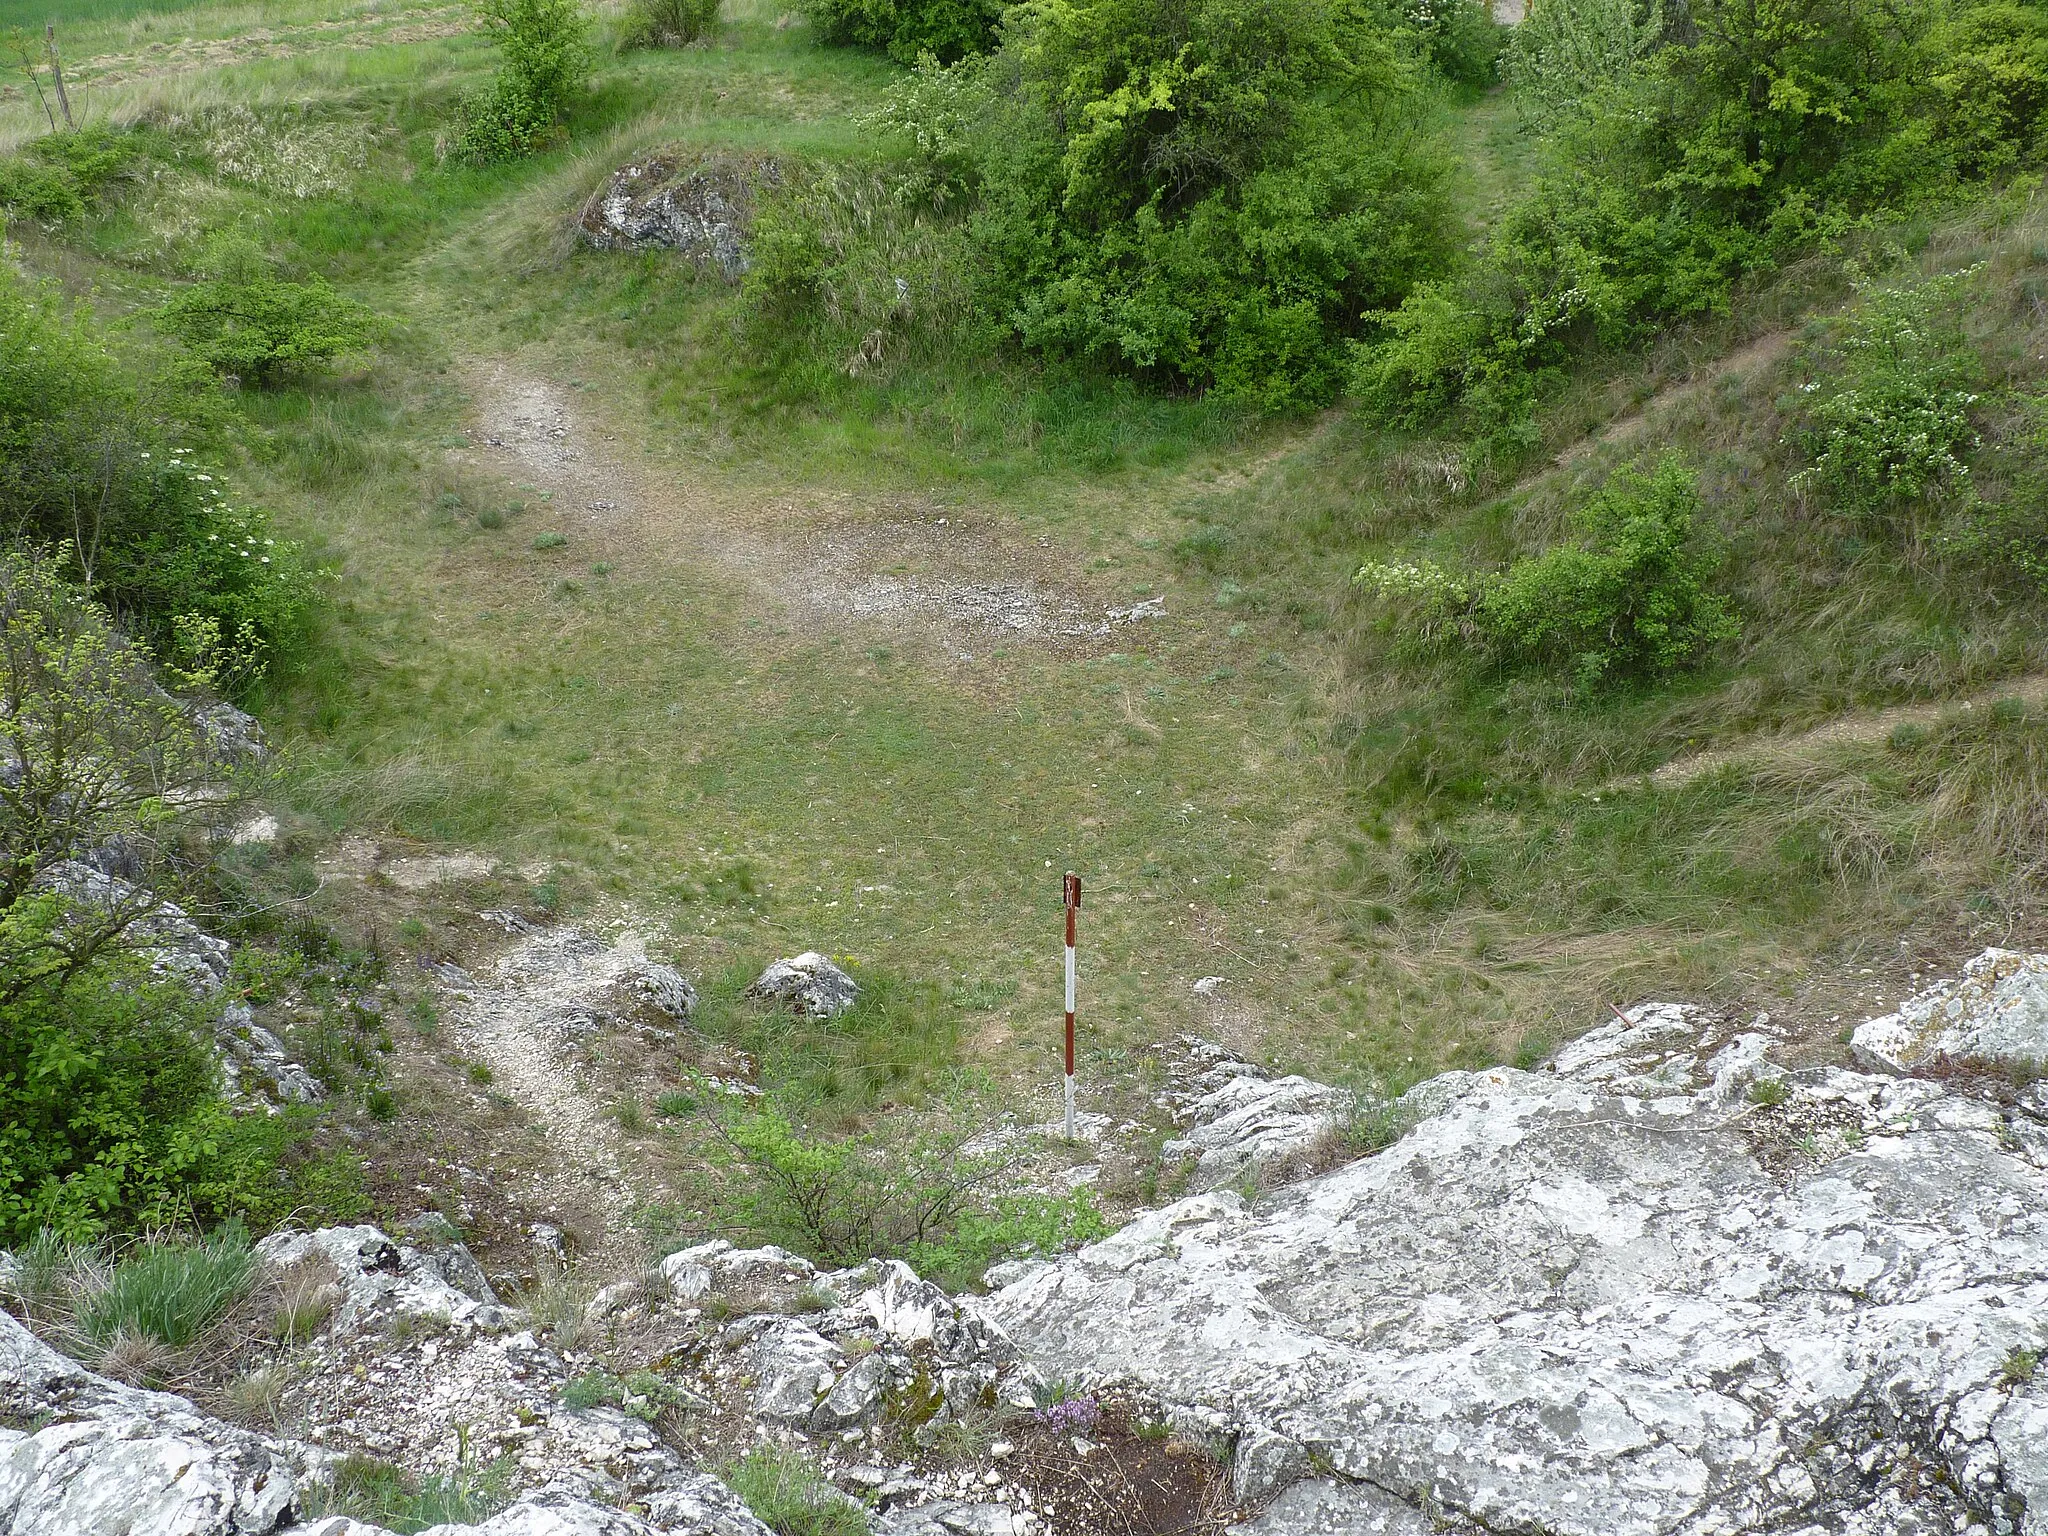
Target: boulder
pixel 257 1065
pixel 234 736
pixel 378 1278
pixel 1997 1010
pixel 664 989
pixel 102 1459
pixel 701 207
pixel 1609 1299
pixel 808 982
pixel 441 1249
pixel 1243 1121
pixel 177 948
pixel 793 1368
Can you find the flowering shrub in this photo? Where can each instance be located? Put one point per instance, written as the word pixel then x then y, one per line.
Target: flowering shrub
pixel 1889 411
pixel 181 562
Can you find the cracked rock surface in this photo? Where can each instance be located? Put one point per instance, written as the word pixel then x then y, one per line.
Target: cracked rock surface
pixel 1612 1298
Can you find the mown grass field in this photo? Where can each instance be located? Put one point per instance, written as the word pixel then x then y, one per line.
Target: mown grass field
pixel 1398 864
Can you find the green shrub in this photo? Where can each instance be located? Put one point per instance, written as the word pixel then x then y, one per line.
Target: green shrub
pixel 1754 136
pixel 666 23
pixel 58 175
pixel 1632 603
pixel 110 1111
pixel 1204 195
pixel 1562 55
pixel 1888 410
pixel 906 30
pixel 171 1291
pixel 906 1188
pixel 789 1495
pixel 248 322
pixel 85 460
pixel 1462 40
pixel 544 51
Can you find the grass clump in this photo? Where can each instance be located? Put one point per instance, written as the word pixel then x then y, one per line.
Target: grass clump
pixel 1769 1092
pixel 171 1291
pixel 382 1494
pixel 789 1495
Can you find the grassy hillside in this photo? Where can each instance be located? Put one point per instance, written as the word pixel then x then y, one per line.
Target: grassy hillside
pixel 741 697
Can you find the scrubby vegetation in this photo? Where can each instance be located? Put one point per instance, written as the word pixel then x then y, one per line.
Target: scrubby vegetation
pixel 1380 493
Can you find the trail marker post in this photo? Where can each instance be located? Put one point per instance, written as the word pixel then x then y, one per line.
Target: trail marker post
pixel 1072 895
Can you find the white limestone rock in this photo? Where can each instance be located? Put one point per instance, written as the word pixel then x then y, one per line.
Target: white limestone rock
pixel 1610 1299
pixel 1240 1121
pixel 109 1460
pixel 1997 1010
pixel 379 1278
pixel 809 983
pixel 664 989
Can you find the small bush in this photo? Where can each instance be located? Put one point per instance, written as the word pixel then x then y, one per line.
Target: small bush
pixel 666 23
pixel 1632 603
pixel 169 1292
pixel 246 321
pixel 904 1189
pixel 789 1495
pixel 550 540
pixel 544 51
pixel 1768 1092
pixel 379 1493
pixel 58 175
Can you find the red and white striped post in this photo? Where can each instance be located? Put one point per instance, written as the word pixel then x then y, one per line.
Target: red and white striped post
pixel 1072 894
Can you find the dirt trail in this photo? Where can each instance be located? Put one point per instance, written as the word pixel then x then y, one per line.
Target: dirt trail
pixel 1742 362
pixel 553 988
pixel 817 557
pixel 1860 729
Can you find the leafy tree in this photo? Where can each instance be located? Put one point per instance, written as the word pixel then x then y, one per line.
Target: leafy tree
pixel 1206 194
pixel 544 52
pixel 93 755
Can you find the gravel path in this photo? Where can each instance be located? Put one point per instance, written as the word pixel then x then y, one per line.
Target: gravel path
pixel 550 989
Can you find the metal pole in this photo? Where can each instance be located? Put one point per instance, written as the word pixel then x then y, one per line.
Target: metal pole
pixel 1072 894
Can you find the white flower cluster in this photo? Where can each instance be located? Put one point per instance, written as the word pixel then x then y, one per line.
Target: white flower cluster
pixel 1422 580
pixel 238 528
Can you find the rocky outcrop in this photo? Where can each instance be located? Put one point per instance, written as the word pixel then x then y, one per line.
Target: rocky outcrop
pixel 809 983
pixel 84 1456
pixel 701 207
pixel 1997 1010
pixel 1241 1121
pixel 1615 1298
pixel 256 1064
